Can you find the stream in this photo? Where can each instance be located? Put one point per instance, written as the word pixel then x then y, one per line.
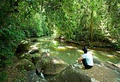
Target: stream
pixel 70 52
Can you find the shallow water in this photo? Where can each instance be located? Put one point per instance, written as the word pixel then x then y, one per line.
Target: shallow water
pixel 70 52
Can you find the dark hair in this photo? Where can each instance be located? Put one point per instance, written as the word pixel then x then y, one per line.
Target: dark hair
pixel 84 49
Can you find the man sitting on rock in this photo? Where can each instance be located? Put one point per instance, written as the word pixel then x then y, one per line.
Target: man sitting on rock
pixel 86 59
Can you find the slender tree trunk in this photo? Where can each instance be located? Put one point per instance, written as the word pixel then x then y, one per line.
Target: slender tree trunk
pixel 91 27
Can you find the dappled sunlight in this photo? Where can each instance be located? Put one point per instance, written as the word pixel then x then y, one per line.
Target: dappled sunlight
pixel 110 56
pixel 45 50
pixel 118 52
pixel 34 47
pixel 57 62
pixel 55 42
pixel 61 48
pixel 71 47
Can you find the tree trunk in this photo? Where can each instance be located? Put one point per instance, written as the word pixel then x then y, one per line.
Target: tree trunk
pixel 91 27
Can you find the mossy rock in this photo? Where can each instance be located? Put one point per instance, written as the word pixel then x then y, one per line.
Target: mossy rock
pixel 51 65
pixel 31 57
pixel 35 58
pixel 24 46
pixel 25 64
pixel 24 56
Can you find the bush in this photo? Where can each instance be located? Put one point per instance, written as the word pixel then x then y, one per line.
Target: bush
pixel 10 37
pixel 3 76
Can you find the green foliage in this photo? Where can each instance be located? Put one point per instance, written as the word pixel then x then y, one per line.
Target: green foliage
pixel 19 19
pixel 3 76
pixel 86 20
pixel 10 37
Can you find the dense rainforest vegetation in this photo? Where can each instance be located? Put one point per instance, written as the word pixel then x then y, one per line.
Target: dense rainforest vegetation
pixel 77 20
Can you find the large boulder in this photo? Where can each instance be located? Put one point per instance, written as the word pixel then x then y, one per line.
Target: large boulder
pixel 98 73
pixel 24 46
pixel 25 64
pixel 102 73
pixel 50 65
pixel 71 74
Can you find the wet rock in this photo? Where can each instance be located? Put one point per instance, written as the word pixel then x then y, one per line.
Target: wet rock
pixel 71 75
pixel 33 77
pixel 24 46
pixel 25 64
